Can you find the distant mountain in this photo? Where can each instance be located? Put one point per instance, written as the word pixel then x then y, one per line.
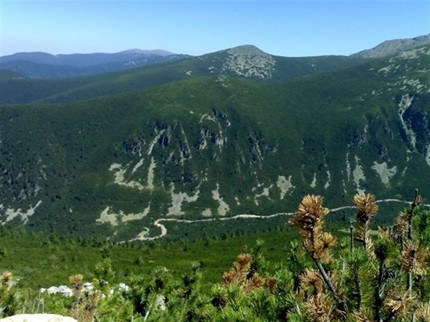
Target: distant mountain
pixel 44 65
pixel 238 131
pixel 247 62
pixel 83 60
pixel 41 65
pixel 391 47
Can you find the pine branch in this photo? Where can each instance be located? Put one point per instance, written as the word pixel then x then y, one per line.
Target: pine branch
pixel 359 293
pixel 415 203
pixel 340 303
pixel 378 291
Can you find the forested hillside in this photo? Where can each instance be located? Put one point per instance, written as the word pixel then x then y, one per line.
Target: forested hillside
pixel 220 135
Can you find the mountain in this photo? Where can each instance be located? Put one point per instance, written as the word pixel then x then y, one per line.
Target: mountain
pixel 391 47
pixel 238 131
pixel 246 61
pixel 42 65
pixel 45 66
pixel 82 60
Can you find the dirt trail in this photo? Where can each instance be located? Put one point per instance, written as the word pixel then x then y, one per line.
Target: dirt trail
pixel 163 230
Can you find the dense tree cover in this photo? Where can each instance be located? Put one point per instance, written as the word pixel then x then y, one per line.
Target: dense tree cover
pixel 366 275
pixel 133 145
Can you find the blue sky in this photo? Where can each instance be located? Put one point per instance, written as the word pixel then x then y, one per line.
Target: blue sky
pixel 282 27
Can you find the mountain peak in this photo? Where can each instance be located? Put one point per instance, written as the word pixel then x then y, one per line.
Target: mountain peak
pixel 249 61
pixel 390 47
pixel 249 50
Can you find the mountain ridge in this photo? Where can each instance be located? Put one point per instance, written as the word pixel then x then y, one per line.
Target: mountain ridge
pixel 213 145
pixel 390 47
pixel 45 66
pixel 247 62
pixel 234 132
pixel 65 59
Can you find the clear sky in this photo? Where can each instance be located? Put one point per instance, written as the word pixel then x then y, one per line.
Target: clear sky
pixel 282 27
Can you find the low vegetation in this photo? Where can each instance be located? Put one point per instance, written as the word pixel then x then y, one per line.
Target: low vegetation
pixel 317 274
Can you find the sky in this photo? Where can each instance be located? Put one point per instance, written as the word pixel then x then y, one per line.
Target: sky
pixel 288 28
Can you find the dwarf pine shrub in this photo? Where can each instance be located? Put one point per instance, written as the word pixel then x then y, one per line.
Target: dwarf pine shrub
pixel 8 296
pixel 371 275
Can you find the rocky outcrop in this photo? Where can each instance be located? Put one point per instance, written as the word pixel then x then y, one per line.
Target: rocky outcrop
pixel 249 61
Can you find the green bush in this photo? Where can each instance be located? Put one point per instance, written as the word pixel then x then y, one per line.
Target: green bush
pixel 368 275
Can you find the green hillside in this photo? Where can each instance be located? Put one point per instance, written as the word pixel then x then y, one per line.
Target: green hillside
pixel 184 140
pixel 244 62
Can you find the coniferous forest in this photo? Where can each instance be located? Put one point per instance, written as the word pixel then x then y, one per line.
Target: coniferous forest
pixel 232 186
pixel 311 269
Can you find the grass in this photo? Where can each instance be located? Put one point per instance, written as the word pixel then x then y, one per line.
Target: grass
pixel 47 260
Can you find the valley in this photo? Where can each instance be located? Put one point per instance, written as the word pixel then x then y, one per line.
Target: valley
pixel 158 175
pixel 209 138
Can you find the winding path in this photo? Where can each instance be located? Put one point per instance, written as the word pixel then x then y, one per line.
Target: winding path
pixel 163 230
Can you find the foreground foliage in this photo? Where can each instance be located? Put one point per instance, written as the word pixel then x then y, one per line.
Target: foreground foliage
pixel 366 276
